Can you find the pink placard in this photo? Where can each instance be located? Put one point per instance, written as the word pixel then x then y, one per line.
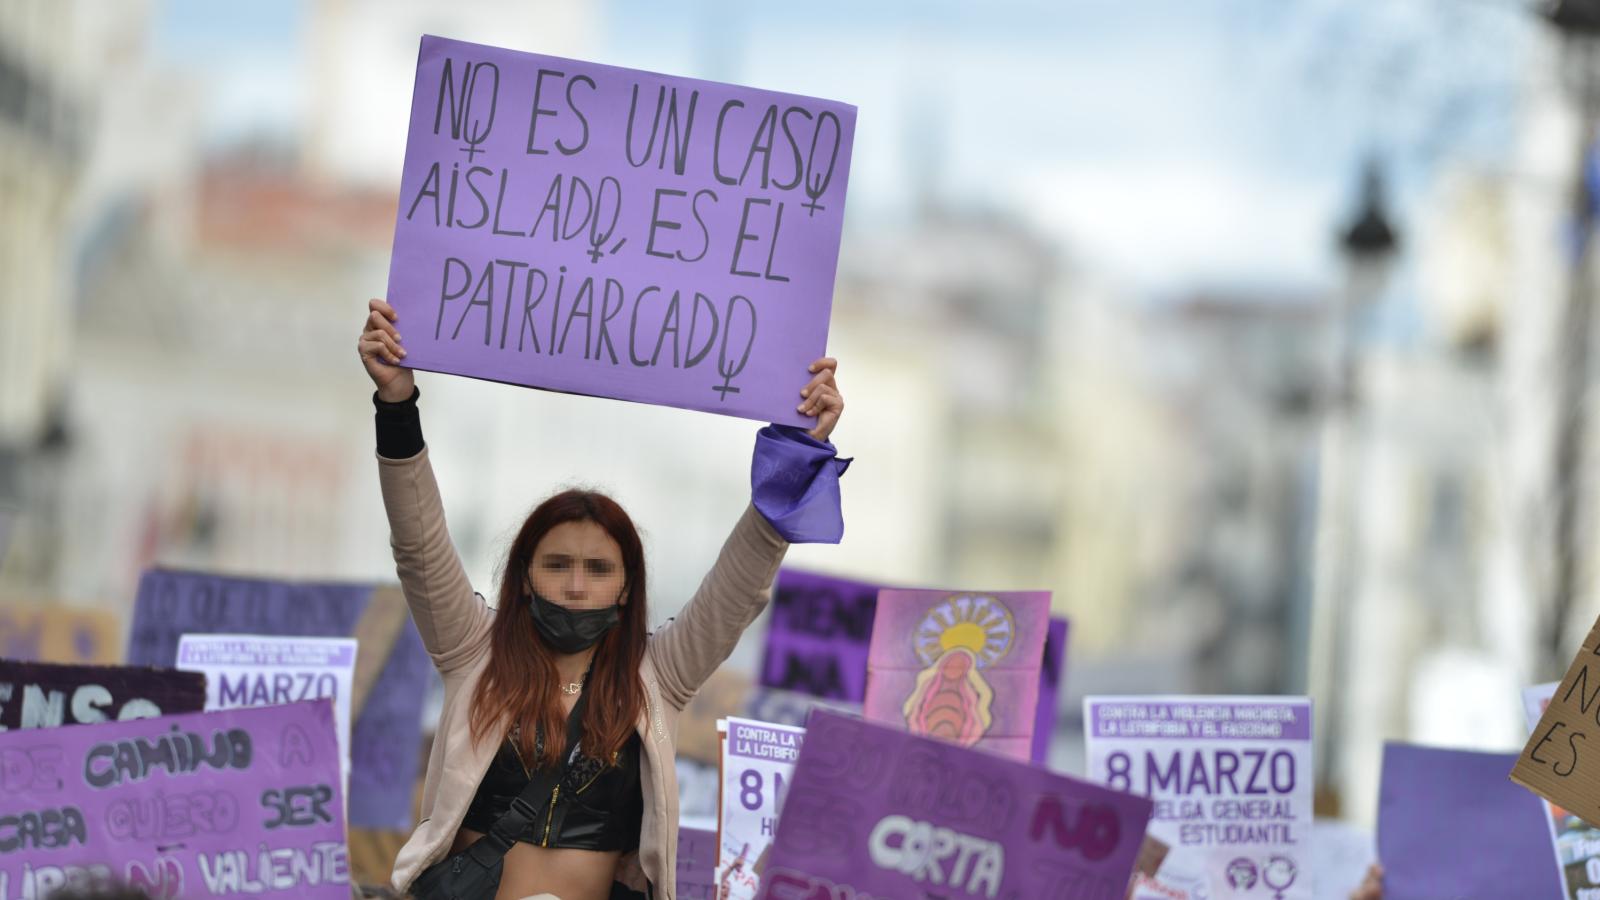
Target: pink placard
pixel 962 666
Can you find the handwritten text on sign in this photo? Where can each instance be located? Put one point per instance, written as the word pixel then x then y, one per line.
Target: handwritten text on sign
pixel 384 735
pixel 619 233
pixel 260 670
pixel 874 811
pixel 1559 762
pixel 196 805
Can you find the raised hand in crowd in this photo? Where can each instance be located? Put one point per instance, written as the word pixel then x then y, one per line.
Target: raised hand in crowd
pixel 381 353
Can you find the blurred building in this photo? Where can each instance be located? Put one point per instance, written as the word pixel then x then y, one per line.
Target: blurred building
pixel 41 148
pixel 1245 375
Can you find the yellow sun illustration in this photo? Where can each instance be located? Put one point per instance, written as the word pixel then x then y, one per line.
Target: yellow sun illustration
pixel 976 622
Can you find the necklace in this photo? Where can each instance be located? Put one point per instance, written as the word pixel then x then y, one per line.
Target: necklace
pixel 572 687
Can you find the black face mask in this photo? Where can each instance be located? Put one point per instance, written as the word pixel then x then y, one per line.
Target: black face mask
pixel 571 630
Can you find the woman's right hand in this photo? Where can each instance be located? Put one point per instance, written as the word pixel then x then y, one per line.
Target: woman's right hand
pixel 380 351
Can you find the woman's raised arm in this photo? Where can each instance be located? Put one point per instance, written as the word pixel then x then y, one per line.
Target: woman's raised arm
pixel 453 621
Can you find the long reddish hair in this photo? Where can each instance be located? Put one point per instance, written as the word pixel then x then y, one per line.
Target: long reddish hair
pixel 521 684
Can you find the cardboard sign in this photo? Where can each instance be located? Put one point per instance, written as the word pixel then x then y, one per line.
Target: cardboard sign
pixel 606 231
pixel 1576 843
pixel 195 805
pixel 697 857
pixel 1055 660
pixel 386 732
pixel 42 695
pixel 60 634
pixel 880 812
pixel 255 670
pixel 1557 762
pixel 757 765
pixel 1498 845
pixel 819 635
pixel 959 666
pixel 1232 782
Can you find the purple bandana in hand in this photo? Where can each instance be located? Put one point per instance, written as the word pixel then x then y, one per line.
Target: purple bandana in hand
pixel 794 483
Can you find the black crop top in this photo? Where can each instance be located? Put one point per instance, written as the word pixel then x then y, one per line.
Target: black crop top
pixel 596 806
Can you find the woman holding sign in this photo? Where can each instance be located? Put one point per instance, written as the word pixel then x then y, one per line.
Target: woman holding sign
pixel 552 771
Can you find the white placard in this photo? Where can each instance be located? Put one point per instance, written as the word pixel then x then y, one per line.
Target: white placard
pixel 1231 778
pixel 757 763
pixel 263 670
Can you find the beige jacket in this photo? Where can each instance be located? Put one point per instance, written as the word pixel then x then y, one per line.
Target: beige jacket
pixel 455 624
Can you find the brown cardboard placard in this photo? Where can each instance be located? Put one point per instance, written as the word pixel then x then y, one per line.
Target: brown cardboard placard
pixel 1561 761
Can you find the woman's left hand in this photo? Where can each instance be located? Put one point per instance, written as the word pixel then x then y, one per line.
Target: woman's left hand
pixel 821 398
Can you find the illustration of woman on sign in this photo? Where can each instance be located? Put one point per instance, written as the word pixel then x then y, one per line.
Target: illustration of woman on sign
pixel 951 699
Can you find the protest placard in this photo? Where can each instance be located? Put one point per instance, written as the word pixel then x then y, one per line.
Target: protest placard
pixel 60 634
pixel 884 813
pixel 44 695
pixel 1557 762
pixel 618 233
pixel 1231 778
pixel 195 805
pixel 1451 825
pixel 757 765
pixel 819 635
pixel 959 666
pixel 1055 661
pixel 259 670
pixel 1576 843
pixel 386 732
pixel 697 858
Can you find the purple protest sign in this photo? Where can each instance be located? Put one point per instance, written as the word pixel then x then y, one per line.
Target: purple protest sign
pixel 44 695
pixel 962 666
pixel 618 233
pixel 1044 720
pixel 885 813
pixel 197 805
pixel 819 635
pixel 1505 852
pixel 697 859
pixel 386 731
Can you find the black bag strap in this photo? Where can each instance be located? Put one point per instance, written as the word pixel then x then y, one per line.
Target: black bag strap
pixel 526 806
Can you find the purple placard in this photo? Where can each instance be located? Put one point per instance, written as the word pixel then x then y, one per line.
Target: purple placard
pixel 1055 660
pixel 607 231
pixel 1189 720
pixel 819 635
pixel 1452 824
pixel 385 737
pixel 697 863
pixel 45 695
pixel 197 805
pixel 959 665
pixel 869 801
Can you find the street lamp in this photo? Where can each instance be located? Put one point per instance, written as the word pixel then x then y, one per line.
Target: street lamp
pixel 1369 245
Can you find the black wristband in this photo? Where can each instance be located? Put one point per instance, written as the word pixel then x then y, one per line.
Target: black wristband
pixel 399 426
